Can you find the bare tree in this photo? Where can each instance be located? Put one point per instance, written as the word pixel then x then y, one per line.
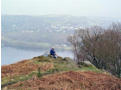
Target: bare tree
pixel 76 41
pixel 101 47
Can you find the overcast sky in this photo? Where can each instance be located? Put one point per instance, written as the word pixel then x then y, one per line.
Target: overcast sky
pixel 103 8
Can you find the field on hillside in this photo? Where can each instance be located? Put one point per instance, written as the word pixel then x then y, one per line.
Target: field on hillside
pixel 46 73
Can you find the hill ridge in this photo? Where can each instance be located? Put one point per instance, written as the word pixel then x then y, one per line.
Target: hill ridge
pixel 47 73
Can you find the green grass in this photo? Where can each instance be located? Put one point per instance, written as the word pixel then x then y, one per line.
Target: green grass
pixel 60 65
pixel 16 79
pixel 91 68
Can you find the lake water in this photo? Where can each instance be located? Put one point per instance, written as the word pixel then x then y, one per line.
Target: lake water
pixel 11 55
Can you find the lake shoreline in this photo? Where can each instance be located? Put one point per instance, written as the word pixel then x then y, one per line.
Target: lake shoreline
pixel 11 55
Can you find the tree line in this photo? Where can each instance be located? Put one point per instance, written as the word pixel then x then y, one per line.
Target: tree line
pixel 100 46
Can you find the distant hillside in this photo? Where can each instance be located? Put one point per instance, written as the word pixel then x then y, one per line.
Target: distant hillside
pixel 46 73
pixel 52 23
pixel 39 32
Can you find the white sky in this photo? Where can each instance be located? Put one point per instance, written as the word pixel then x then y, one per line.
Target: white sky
pixel 103 8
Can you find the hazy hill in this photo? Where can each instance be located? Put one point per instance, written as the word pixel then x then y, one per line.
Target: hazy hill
pixel 40 32
pixel 38 23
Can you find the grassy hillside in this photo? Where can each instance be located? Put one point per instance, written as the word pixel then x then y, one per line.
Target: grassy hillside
pixel 63 73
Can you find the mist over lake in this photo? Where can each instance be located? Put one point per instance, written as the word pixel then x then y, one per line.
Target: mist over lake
pixel 24 37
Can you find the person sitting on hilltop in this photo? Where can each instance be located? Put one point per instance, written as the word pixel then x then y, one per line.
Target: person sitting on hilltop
pixel 52 52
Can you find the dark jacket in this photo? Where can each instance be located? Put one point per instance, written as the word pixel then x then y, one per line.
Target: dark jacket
pixel 52 52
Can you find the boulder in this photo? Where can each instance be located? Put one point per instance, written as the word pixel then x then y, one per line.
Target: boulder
pixel 85 64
